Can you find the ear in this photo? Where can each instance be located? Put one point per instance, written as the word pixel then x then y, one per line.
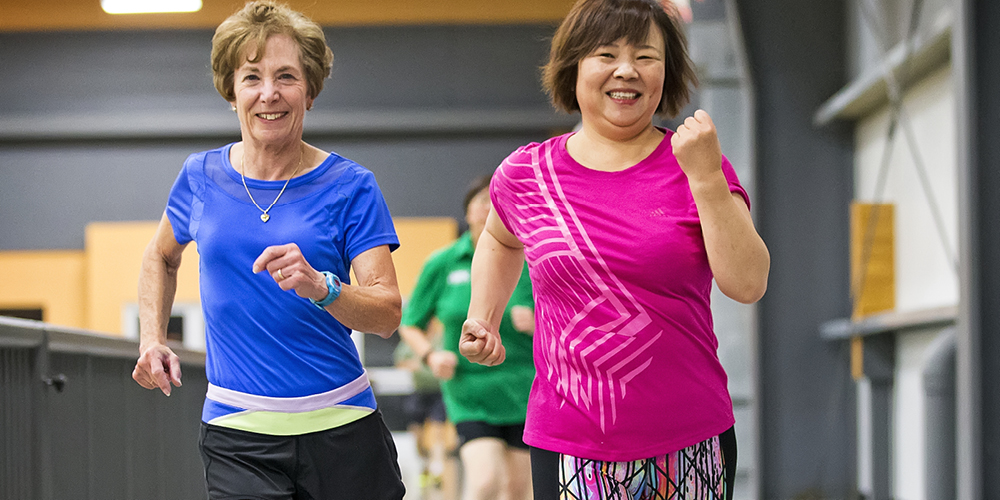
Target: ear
pixel 309 104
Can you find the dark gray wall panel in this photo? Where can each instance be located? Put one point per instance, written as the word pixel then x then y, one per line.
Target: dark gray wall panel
pixel 49 192
pixel 79 161
pixel 977 57
pixel 394 67
pixel 796 52
pixel 428 176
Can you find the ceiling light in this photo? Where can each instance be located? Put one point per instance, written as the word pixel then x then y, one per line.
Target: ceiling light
pixel 149 6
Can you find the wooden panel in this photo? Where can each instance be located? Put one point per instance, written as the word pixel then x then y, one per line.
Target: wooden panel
pixel 49 280
pixel 44 15
pixel 89 289
pixel 418 237
pixel 114 256
pixel 873 272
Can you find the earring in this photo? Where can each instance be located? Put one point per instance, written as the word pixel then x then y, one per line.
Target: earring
pixel 234 109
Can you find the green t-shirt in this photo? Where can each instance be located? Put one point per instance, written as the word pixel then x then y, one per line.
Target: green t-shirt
pixel 497 395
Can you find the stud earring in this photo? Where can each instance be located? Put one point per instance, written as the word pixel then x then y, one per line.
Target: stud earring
pixel 234 109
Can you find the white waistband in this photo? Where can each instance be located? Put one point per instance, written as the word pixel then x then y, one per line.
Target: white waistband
pixel 289 405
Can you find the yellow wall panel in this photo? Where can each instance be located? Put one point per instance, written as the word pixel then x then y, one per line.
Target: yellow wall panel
pixel 44 15
pixel 90 289
pixel 49 280
pixel 114 256
pixel 418 237
pixel 873 265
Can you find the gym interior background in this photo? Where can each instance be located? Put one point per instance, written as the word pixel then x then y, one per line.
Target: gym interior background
pixel 861 128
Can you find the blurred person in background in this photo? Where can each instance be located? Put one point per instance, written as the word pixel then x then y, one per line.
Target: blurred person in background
pixel 487 404
pixel 624 226
pixel 279 225
pixel 428 422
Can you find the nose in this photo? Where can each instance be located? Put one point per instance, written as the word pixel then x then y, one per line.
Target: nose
pixel 625 70
pixel 269 91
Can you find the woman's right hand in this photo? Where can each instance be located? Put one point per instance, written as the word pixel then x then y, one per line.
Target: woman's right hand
pixel 480 343
pixel 442 364
pixel 158 367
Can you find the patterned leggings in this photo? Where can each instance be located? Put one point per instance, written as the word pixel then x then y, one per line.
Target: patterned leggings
pixel 704 471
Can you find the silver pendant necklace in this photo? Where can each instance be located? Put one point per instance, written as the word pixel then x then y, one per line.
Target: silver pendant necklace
pixel 264 217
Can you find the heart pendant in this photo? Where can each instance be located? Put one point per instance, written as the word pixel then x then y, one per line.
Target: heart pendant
pixel 264 217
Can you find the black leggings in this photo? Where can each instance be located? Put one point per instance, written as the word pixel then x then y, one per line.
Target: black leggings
pixel 545 468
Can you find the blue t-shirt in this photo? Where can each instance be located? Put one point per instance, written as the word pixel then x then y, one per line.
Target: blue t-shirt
pixel 269 351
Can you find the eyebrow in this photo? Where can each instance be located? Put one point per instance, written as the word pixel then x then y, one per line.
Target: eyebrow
pixel 253 68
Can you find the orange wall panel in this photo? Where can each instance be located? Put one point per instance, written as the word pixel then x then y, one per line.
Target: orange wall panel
pixel 49 280
pixel 114 256
pixel 90 289
pixel 418 237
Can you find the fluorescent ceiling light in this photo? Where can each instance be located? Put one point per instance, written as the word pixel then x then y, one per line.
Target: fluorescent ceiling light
pixel 149 6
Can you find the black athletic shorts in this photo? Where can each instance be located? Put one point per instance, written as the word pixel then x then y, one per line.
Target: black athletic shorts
pixel 356 461
pixel 513 435
pixel 420 407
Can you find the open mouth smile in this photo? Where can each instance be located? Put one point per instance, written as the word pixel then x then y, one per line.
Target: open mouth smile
pixel 623 95
pixel 271 116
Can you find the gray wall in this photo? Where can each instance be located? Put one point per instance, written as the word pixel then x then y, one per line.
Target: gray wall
pixel 96 125
pixel 796 52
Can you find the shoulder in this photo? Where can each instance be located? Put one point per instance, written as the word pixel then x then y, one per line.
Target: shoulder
pixel 445 255
pixel 212 156
pixel 531 152
pixel 521 161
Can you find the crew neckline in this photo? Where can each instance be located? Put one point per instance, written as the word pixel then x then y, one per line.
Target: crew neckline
pixel 262 184
pixel 576 166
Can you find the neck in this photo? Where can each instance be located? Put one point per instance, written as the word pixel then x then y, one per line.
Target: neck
pixel 601 151
pixel 270 163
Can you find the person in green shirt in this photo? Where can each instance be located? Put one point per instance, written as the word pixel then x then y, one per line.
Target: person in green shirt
pixel 487 404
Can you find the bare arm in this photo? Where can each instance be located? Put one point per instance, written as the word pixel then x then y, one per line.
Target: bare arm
pixel 737 255
pixel 372 305
pixel 158 366
pixel 496 268
pixel 441 363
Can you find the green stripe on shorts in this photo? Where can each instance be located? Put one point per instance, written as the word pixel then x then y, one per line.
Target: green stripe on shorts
pixel 292 424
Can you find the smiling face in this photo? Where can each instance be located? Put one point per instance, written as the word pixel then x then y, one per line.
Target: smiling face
pixel 619 85
pixel 272 94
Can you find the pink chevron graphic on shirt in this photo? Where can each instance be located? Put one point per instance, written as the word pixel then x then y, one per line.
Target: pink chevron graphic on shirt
pixel 596 320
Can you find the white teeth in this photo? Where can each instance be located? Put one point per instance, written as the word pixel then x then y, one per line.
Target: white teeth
pixel 623 95
pixel 270 116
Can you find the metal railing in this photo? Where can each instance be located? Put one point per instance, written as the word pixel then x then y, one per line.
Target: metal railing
pixel 76 426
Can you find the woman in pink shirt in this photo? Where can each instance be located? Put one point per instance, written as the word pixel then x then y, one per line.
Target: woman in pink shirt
pixel 624 226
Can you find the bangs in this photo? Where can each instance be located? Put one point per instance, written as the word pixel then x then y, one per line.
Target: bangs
pixel 631 21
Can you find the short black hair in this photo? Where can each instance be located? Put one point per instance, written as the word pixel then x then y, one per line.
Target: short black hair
pixel 478 184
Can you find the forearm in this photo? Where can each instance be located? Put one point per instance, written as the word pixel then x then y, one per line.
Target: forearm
pixel 373 309
pixel 496 268
pixel 416 339
pixel 738 257
pixel 157 288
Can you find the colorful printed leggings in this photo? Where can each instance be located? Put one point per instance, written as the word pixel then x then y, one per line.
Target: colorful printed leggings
pixel 704 471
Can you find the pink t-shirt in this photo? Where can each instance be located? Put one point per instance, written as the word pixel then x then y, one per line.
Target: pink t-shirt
pixel 625 354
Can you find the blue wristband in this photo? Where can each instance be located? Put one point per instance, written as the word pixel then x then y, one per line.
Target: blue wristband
pixel 333 290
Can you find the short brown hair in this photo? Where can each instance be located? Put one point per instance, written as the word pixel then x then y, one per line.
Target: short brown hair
pixel 593 23
pixel 251 26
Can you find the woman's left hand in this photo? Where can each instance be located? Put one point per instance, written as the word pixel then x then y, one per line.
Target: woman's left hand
pixel 290 270
pixel 696 146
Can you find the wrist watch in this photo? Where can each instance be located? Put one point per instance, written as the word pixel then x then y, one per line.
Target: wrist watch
pixel 333 286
